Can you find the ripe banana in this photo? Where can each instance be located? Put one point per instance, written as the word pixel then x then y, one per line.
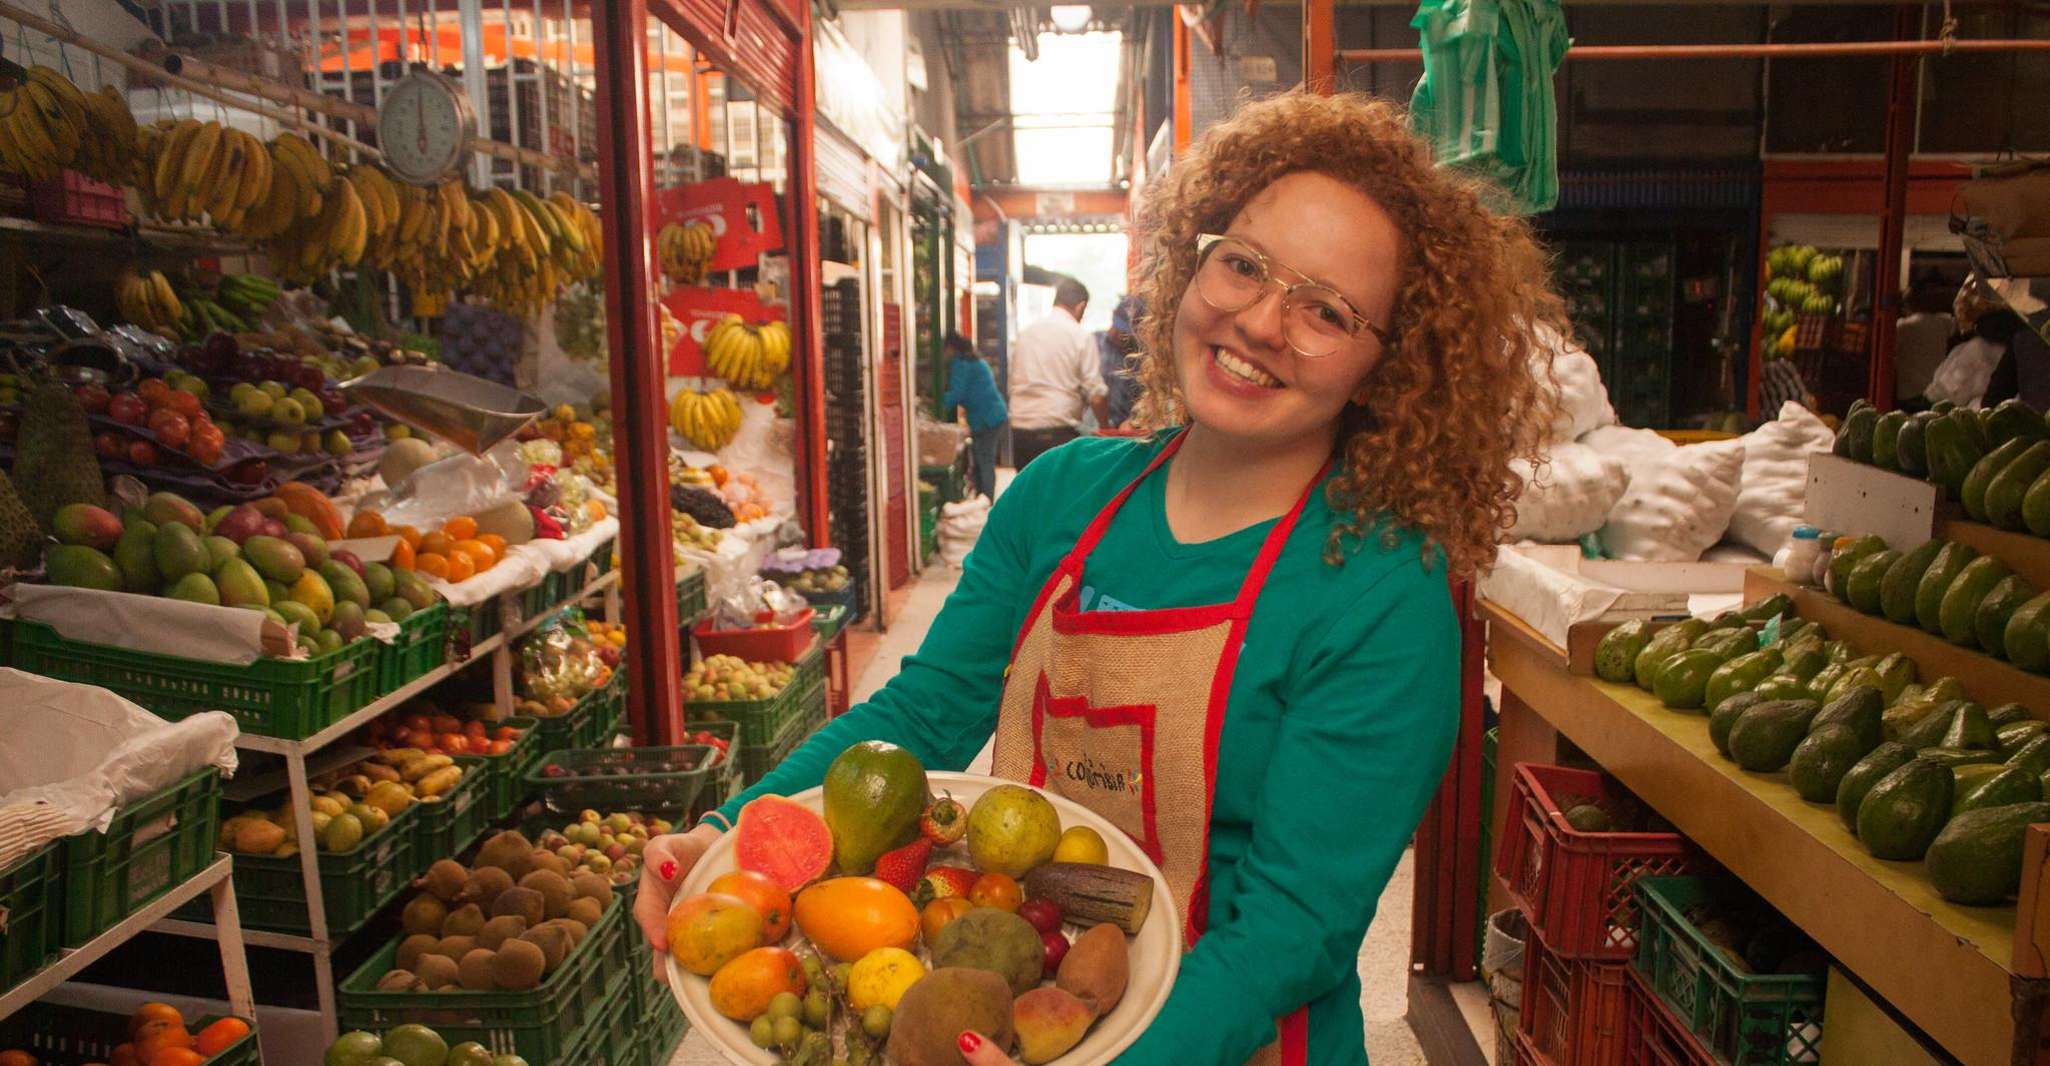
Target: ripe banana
pixel 708 420
pixel 146 299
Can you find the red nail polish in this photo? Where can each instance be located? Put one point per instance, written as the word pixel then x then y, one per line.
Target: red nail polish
pixel 969 1042
pixel 668 869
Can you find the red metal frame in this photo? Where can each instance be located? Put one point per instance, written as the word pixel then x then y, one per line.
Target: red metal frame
pixel 1447 849
pixel 1900 141
pixel 641 442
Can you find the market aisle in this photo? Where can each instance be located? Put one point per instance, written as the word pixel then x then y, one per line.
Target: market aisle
pixel 1383 959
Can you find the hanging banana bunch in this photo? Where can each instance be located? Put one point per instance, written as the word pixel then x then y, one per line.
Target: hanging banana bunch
pixel 683 250
pixel 706 419
pixel 145 298
pixel 745 354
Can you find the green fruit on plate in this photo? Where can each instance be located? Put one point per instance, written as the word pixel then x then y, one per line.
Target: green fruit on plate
pixel 873 795
pixel 1012 829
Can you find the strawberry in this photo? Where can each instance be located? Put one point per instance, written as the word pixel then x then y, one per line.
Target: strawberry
pixel 903 867
pixel 944 822
pixel 943 882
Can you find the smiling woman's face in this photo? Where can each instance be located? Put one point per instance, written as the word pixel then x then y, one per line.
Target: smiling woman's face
pixel 1237 371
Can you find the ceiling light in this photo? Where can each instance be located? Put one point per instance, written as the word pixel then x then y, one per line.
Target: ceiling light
pixel 1070 18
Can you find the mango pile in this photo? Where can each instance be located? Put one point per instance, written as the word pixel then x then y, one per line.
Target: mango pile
pixel 1916 771
pixel 350 805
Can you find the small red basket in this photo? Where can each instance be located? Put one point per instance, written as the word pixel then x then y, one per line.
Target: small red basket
pixel 762 644
pixel 1654 1037
pixel 1574 1013
pixel 71 198
pixel 1575 886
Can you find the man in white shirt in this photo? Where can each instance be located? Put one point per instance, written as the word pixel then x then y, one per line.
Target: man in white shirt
pixel 1056 374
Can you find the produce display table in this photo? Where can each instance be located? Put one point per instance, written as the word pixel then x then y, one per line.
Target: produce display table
pixel 226 930
pixel 1950 970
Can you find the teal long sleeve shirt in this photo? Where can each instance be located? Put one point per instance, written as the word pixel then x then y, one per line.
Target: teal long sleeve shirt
pixel 1341 719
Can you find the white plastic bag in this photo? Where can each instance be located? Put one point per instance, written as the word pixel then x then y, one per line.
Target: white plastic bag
pixel 1773 488
pixel 1583 399
pixel 88 752
pixel 960 527
pixel 1676 508
pixel 1570 495
pixel 1964 374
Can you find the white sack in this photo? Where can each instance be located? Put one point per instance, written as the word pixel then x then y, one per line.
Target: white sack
pixel 1677 508
pixel 1773 489
pixel 1569 496
pixel 1583 399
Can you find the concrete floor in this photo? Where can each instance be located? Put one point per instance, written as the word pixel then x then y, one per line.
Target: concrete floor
pixel 1383 958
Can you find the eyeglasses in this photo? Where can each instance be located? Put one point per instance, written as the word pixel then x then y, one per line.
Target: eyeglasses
pixel 1316 320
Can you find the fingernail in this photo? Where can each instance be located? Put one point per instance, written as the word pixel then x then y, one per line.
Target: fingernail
pixel 668 869
pixel 969 1042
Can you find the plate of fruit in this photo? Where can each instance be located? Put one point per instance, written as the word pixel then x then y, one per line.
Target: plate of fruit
pixel 872 919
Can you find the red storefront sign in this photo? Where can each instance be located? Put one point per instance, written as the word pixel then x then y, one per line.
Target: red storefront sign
pixel 742 216
pixel 699 309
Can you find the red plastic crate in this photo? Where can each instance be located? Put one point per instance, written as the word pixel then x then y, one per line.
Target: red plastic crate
pixel 74 199
pixel 1574 1012
pixel 1575 886
pixel 1654 1037
pixel 762 644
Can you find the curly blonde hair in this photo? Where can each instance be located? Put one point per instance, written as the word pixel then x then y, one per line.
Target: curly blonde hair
pixel 1455 398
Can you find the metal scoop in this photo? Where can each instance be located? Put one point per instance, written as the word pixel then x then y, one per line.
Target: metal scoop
pixel 469 412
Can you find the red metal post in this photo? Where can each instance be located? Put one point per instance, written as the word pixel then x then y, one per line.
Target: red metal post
pixel 1449 864
pixel 1183 116
pixel 1319 51
pixel 806 301
pixel 626 181
pixel 1900 142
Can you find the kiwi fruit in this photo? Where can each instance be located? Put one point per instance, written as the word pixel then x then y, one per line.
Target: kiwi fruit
pixel 398 981
pixel 553 940
pixel 455 947
pixel 510 851
pixel 593 886
pixel 524 902
pixel 499 930
pixel 424 915
pixel 485 884
pixel 474 972
pixel 577 931
pixel 463 921
pixel 436 972
pixel 411 948
pixel 548 860
pixel 518 965
pixel 445 879
pixel 554 889
pixel 585 910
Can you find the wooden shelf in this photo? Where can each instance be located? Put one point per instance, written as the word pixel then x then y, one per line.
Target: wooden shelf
pixel 1990 681
pixel 1948 969
pixel 171 238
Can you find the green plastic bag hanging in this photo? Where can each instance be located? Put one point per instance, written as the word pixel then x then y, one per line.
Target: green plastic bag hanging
pixel 1486 102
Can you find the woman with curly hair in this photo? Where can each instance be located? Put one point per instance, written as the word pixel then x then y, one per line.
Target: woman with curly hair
pixel 1233 639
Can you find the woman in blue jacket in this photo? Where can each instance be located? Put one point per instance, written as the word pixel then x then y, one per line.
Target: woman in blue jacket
pixel 971 385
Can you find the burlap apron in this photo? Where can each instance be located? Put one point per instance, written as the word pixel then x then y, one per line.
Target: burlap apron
pixel 1121 711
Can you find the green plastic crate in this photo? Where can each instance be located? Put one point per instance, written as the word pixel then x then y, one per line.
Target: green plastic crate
pixel 652 785
pixel 1745 1019
pixel 756 760
pixel 151 847
pixel 287 698
pixel 542 597
pixel 422 646
pixel 270 892
pixel 475 624
pixel 662 1025
pixel 59 1035
pixel 608 1038
pixel 541 1024
pixel 509 771
pixel 690 597
pixel 829 619
pixel 585 720
pixel 445 827
pixel 950 480
pixel 30 891
pixel 607 716
pixel 762 721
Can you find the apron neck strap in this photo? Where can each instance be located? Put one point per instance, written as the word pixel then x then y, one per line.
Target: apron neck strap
pixel 1098 527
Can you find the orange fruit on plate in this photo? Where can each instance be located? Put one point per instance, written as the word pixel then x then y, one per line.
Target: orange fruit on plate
pixel 367 524
pixel 711 929
pixel 742 989
pixel 764 895
pixel 409 534
pixel 996 890
pixel 461 527
pixel 154 1012
pixel 938 913
pixel 461 567
pixel 432 565
pixel 436 543
pixel 848 917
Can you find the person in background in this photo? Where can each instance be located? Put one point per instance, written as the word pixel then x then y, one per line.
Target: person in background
pixel 1779 380
pixel 1056 376
pixel 1117 345
pixel 1921 341
pixel 971 386
pixel 1978 369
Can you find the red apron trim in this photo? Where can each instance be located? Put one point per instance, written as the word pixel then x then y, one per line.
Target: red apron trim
pixel 1295 1038
pixel 1045 704
pixel 1141 623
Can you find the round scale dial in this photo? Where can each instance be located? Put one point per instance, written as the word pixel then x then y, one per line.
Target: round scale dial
pixel 424 127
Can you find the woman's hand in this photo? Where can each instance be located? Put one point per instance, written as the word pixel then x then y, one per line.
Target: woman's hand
pixel 665 861
pixel 978 1050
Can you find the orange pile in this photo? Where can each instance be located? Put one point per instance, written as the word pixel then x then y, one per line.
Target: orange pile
pixel 454 553
pixel 157 1036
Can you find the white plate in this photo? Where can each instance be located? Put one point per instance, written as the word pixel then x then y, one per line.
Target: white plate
pixel 1156 953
